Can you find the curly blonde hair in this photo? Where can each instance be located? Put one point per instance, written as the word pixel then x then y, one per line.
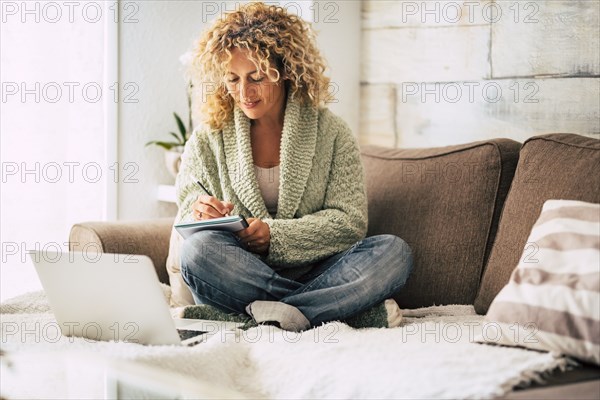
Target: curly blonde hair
pixel 278 43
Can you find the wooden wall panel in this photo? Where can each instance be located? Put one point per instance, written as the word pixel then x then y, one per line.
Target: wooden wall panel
pixel 435 54
pixel 543 55
pixel 547 38
pixel 516 109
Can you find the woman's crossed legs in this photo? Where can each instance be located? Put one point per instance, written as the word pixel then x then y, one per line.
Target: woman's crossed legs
pixel 222 273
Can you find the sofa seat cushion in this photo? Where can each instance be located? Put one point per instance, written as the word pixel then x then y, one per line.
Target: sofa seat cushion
pixel 557 166
pixel 445 203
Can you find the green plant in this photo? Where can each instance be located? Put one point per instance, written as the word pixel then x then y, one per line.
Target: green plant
pixel 184 133
pixel 180 139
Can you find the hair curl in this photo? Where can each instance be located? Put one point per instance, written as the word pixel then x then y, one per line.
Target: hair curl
pixel 278 43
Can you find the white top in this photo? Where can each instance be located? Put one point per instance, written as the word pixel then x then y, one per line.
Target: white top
pixel 268 182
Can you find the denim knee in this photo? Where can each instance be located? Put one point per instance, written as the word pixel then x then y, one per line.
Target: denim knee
pixel 201 249
pixel 192 247
pixel 399 250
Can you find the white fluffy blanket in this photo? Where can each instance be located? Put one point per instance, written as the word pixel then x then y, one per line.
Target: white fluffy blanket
pixel 431 355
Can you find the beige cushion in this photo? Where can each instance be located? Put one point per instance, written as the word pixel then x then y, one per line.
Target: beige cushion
pixel 552 300
pixel 558 166
pixel 180 293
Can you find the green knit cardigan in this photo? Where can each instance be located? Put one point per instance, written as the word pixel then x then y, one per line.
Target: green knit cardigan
pixel 322 205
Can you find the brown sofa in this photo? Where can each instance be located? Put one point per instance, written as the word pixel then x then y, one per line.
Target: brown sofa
pixel 465 210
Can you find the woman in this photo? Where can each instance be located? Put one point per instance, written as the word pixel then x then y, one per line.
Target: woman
pixel 274 154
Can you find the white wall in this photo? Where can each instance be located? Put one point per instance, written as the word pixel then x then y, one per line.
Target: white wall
pixel 149 60
pixel 339 38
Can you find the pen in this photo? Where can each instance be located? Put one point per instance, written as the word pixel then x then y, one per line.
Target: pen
pixel 203 188
pixel 209 193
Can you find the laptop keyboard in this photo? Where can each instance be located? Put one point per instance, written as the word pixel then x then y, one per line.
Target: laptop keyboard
pixel 185 334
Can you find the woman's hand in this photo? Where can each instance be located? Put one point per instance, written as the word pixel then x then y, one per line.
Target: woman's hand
pixel 256 237
pixel 209 207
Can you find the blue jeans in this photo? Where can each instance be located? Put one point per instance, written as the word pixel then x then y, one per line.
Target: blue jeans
pixel 221 272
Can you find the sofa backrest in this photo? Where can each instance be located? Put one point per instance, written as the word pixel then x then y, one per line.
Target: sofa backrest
pixel 445 203
pixel 558 166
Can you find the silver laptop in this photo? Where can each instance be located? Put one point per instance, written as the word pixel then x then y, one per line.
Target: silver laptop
pixel 118 297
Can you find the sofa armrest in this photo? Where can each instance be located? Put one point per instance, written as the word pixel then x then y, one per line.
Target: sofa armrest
pixel 149 238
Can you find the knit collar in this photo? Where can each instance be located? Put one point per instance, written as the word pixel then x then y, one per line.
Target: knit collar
pixel 297 151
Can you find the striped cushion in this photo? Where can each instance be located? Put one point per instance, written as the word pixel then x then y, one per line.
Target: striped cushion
pixel 552 300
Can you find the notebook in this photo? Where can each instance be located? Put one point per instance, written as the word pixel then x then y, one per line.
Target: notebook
pixel 233 223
